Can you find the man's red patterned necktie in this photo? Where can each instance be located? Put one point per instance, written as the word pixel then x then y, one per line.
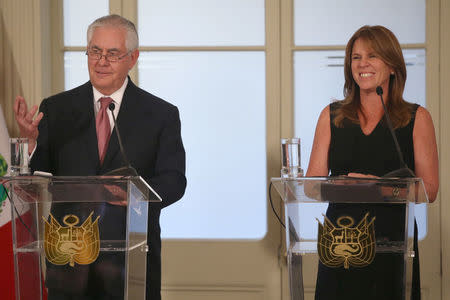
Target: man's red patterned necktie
pixel 103 127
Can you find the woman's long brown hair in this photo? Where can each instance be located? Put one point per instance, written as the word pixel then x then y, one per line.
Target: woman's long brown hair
pixel 387 47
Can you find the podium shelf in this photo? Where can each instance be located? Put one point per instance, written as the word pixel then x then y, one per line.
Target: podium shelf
pixel 105 246
pixel 310 247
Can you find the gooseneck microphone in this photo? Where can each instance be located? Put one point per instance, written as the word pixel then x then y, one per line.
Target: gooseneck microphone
pixel 404 171
pixel 127 170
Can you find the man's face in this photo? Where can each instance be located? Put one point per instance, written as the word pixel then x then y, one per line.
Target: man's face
pixel 107 77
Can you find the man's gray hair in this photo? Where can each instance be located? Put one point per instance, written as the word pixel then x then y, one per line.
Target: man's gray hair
pixel 132 39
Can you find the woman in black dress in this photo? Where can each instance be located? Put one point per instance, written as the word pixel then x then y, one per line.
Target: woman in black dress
pixel 352 139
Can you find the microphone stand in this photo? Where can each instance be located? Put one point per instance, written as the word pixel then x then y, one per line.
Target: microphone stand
pixel 404 171
pixel 127 170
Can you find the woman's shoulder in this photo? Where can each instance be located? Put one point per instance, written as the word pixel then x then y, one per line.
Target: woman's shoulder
pixel 421 120
pixel 422 115
pixel 414 110
pixel 324 118
pixel 411 107
pixel 335 105
pixel 334 110
pixel 326 112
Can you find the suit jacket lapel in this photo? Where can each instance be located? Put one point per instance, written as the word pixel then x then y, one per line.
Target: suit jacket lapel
pixel 83 115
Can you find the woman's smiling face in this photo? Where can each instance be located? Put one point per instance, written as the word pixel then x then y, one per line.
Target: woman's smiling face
pixel 368 69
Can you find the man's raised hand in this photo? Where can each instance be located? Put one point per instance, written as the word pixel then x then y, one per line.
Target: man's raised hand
pixel 27 121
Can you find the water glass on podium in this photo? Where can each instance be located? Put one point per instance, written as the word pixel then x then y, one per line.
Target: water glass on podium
pixel 19 157
pixel 290 158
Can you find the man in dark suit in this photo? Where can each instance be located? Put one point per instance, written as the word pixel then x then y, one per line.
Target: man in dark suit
pixel 65 137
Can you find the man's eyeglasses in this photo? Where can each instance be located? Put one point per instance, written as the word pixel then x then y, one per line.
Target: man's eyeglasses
pixel 110 57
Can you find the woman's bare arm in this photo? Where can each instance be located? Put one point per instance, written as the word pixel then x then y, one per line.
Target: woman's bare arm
pixel 425 152
pixel 318 161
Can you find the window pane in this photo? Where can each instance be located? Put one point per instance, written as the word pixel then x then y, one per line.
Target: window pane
pixel 415 87
pixel 319 79
pixel 221 97
pixel 201 22
pixel 75 69
pixel 330 22
pixel 78 14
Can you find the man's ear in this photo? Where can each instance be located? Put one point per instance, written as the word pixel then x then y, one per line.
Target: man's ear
pixel 134 55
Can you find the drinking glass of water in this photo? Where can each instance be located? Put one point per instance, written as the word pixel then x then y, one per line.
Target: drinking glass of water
pixel 19 157
pixel 290 158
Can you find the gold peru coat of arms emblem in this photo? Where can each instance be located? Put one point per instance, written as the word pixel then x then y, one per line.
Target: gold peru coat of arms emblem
pixel 71 244
pixel 346 245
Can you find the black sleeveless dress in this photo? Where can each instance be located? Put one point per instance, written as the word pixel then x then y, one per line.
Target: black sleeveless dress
pixel 353 151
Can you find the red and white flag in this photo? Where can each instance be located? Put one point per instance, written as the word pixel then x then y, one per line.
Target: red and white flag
pixel 32 288
pixel 6 251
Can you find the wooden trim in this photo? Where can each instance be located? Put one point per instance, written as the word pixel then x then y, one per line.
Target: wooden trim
pixel 287 117
pixel 431 283
pixel 184 48
pixel 287 69
pixel 273 108
pixel 129 11
pixel 342 47
pixel 57 43
pixel 444 109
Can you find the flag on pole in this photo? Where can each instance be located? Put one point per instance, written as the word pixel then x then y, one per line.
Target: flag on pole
pixel 7 277
pixel 6 251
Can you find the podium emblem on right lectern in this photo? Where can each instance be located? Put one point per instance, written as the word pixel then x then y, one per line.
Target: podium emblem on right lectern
pixel 344 245
pixel 71 244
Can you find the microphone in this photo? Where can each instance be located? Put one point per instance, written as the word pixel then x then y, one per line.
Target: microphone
pixel 404 171
pixel 127 170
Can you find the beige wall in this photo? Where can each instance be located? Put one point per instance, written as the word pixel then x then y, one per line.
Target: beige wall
pixel 444 155
pixel 24 54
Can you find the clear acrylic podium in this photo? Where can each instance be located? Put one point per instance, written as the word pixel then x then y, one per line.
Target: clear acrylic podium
pixel 321 226
pixel 66 228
